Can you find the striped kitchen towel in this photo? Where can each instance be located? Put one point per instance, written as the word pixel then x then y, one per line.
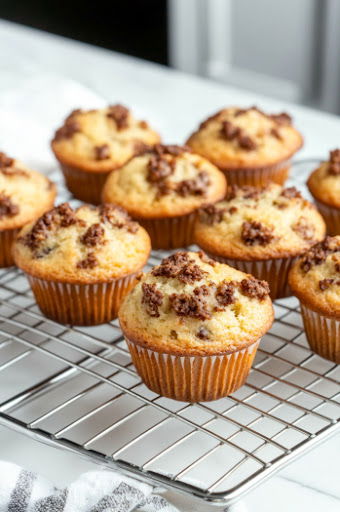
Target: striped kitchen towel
pixel 97 491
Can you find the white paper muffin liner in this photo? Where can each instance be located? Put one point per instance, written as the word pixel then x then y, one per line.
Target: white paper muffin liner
pixel 80 304
pixel 331 216
pixel 323 334
pixel 192 378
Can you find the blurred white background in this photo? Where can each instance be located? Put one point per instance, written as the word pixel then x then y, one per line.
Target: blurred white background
pixel 289 49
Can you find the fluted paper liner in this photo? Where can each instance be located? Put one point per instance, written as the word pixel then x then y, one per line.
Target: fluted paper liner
pixel 259 176
pixel 331 216
pixel 7 237
pixel 80 304
pixel 274 271
pixel 170 232
pixel 192 378
pixel 323 334
pixel 86 186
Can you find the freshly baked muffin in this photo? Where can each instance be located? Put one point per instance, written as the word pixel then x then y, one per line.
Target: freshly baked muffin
pixel 260 231
pixel 251 147
pixel 324 185
pixel 315 280
pixel 80 263
pixel 24 196
pixel 163 189
pixel 92 143
pixel 193 326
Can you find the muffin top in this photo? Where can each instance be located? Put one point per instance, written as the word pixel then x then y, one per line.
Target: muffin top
pixel 24 194
pixel 324 182
pixel 191 305
pixel 246 138
pixel 101 140
pixel 315 277
pixel 165 181
pixel 86 245
pixel 259 224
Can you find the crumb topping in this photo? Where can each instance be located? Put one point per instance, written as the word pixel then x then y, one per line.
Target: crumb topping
pixel 254 288
pixel 69 128
pixel 90 261
pixel 231 132
pixel 93 235
pixel 291 193
pixel 5 161
pixel 117 217
pixel 256 233
pixel 162 165
pixel 212 214
pixel 203 300
pixel 152 298
pixel 40 239
pixel 319 253
pixel 304 229
pixel 102 152
pixel 334 162
pixel 7 207
pixel 120 115
pixel 180 266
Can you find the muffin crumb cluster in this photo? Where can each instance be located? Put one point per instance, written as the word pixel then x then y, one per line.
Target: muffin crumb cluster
pixel 69 128
pixel 5 161
pixel 7 207
pixel 120 115
pixel 334 162
pixel 179 265
pixel 202 301
pixel 162 165
pixel 63 216
pixel 319 253
pixel 256 233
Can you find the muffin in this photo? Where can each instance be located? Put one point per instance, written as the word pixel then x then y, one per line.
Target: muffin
pixel 80 263
pixel 260 231
pixel 315 280
pixel 249 146
pixel 24 195
pixel 193 326
pixel 324 185
pixel 163 189
pixel 92 143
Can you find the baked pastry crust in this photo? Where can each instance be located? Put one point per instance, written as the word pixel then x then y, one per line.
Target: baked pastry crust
pixel 315 278
pixel 24 193
pixel 191 305
pixel 167 181
pixel 324 184
pixel 101 140
pixel 84 246
pixel 259 224
pixel 235 138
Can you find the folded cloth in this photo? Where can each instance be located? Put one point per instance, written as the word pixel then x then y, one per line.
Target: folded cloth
pixel 96 491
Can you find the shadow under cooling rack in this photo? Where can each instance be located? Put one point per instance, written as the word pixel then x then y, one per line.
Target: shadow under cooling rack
pixel 77 388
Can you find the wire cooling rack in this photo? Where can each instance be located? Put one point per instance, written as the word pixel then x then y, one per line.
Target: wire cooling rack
pixel 77 388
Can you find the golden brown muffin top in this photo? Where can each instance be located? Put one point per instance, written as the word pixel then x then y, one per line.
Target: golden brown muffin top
pixel 165 181
pixel 259 224
pixel 101 140
pixel 315 278
pixel 324 182
pixel 24 194
pixel 246 138
pixel 192 305
pixel 86 245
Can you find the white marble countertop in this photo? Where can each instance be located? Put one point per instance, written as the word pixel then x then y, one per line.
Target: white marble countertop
pixel 175 103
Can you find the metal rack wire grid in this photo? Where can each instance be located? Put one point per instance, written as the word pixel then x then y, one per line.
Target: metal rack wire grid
pixel 77 388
